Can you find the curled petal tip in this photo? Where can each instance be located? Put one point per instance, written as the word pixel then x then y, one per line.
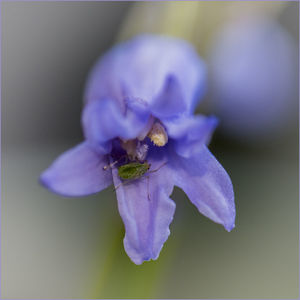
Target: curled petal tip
pixel 44 180
pixel 141 260
pixel 213 121
pixel 229 227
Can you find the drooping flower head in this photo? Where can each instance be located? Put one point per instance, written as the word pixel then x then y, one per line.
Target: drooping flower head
pixel 141 135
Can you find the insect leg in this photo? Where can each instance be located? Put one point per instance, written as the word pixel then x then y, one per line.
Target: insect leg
pixel 114 163
pixel 118 186
pixel 152 171
pixel 122 183
pixel 148 182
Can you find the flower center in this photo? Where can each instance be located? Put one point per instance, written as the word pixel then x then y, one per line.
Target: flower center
pixel 137 149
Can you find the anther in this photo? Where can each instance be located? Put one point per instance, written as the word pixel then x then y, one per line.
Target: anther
pixel 158 135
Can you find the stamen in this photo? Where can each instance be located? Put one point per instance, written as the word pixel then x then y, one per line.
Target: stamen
pixel 135 149
pixel 158 135
pixel 141 151
pixel 130 147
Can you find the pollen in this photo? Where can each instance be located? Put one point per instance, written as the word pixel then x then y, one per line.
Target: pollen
pixel 158 135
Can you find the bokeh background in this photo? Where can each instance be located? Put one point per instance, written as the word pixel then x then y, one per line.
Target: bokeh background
pixel 54 247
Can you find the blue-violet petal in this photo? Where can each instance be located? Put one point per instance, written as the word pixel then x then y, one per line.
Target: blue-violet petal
pixel 139 68
pixel 147 211
pixel 77 172
pixel 190 133
pixel 207 185
pixel 103 120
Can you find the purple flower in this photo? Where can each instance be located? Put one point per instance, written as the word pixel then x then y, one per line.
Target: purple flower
pixel 254 70
pixel 139 104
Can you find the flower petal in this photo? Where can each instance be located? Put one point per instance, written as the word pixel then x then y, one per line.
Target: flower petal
pixel 103 120
pixel 170 101
pixel 207 185
pixel 147 211
pixel 77 172
pixel 139 68
pixel 190 133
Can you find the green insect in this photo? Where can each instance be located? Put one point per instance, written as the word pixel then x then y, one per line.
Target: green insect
pixel 133 170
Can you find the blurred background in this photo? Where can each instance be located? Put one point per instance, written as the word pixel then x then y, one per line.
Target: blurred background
pixel 54 247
